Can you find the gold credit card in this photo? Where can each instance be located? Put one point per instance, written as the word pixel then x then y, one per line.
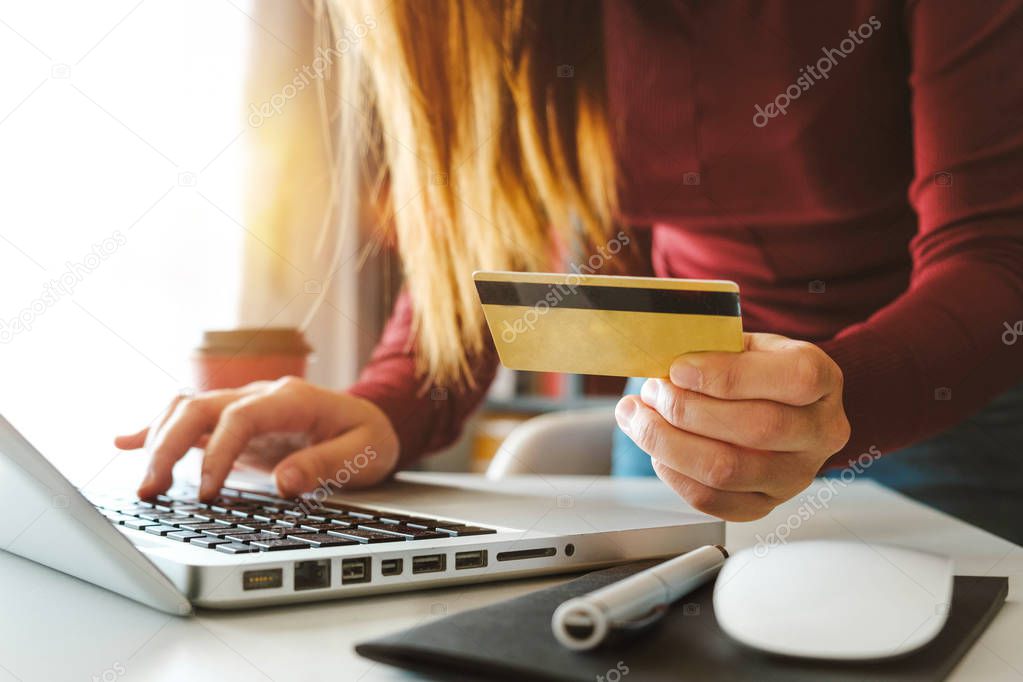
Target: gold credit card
pixel 599 324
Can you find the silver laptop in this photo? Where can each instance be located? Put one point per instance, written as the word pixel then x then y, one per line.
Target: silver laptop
pixel 251 548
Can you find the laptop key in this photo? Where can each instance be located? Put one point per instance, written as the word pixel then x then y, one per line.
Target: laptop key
pixel 249 537
pixel 198 527
pixel 220 531
pixel 277 519
pixel 430 524
pixel 259 497
pixel 366 536
pixel 206 516
pixel 393 518
pixel 153 515
pixel 184 535
pixel 272 517
pixel 138 524
pixel 208 542
pixel 316 516
pixel 176 517
pixel 287 531
pixel 253 526
pixel 318 527
pixel 280 543
pixel 223 519
pixel 408 533
pixel 160 530
pixel 118 519
pixel 346 520
pixel 462 531
pixel 235 548
pixel 330 515
pixel 325 540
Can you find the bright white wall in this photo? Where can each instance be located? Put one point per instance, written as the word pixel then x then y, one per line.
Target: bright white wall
pixel 119 121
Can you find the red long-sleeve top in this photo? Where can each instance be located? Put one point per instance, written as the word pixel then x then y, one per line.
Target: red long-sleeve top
pixel 879 215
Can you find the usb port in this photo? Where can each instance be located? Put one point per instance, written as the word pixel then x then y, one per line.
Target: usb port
pixel 477 559
pixel 431 563
pixel 390 567
pixel 355 570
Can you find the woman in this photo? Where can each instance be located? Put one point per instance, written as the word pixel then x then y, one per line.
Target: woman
pixel 854 166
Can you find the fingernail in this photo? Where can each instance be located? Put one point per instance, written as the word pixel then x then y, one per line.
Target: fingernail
pixel 686 376
pixel 290 480
pixel 623 413
pixel 650 391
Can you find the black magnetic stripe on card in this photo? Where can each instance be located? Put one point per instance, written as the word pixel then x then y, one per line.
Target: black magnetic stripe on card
pixel 596 297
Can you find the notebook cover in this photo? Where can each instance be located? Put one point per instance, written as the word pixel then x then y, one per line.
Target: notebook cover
pixel 512 640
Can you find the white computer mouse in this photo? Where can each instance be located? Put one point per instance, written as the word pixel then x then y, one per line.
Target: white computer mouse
pixel 833 600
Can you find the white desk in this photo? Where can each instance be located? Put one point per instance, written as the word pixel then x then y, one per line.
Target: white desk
pixel 53 627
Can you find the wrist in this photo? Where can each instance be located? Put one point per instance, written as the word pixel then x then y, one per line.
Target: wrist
pixel 383 437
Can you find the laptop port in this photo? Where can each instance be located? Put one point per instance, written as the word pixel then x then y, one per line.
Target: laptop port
pixel 477 559
pixel 430 563
pixel 355 570
pixel 264 579
pixel 390 567
pixel 312 575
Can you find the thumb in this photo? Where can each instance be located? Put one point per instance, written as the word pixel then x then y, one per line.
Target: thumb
pixel 350 460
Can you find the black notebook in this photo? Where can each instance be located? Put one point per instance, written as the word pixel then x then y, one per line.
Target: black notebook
pixel 512 640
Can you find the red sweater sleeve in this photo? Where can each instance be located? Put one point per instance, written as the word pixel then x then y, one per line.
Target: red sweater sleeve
pixel 425 417
pixel 941 351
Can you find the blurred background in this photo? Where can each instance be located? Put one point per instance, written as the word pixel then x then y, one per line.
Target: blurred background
pixel 120 118
pixel 165 166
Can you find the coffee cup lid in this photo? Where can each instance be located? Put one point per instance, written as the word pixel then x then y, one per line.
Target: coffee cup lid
pixel 255 341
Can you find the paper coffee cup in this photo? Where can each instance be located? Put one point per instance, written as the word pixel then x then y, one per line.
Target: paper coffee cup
pixel 235 357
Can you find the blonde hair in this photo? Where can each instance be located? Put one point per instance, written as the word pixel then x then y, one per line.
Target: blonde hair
pixel 485 146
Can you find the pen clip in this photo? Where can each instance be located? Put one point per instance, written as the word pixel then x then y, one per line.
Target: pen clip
pixel 654 615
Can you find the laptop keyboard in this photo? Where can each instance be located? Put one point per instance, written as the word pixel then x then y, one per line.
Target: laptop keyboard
pixel 240 522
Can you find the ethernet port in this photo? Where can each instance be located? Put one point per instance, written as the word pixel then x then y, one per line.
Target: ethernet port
pixel 312 575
